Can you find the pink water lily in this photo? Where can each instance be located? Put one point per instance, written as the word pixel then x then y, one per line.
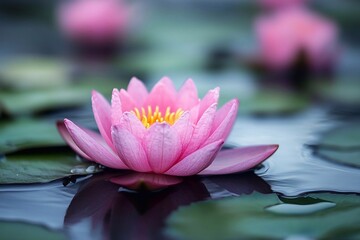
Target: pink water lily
pixel 282 36
pixel 95 21
pixel 163 131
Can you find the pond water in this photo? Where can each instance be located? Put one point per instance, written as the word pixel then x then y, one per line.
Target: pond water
pixel 309 189
pixel 95 208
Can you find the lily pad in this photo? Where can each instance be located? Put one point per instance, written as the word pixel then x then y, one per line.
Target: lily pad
pixel 42 167
pixel 20 231
pixel 77 94
pixel 270 103
pixel 341 145
pixel 249 217
pixel 28 133
pixel 33 72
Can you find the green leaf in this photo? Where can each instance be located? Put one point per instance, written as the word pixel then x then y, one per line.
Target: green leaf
pixel 27 133
pixel 37 100
pixel 20 231
pixel 341 145
pixel 33 72
pixel 269 102
pixel 42 167
pixel 249 217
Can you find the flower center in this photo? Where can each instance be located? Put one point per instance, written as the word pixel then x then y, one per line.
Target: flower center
pixel 148 117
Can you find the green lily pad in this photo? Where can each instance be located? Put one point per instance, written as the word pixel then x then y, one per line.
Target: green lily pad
pixel 20 231
pixel 341 145
pixel 341 92
pixel 269 103
pixel 77 94
pixel 27 133
pixel 33 72
pixel 249 217
pixel 42 167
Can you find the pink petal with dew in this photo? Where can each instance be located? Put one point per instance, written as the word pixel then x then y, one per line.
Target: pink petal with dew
pixel 239 159
pixel 66 136
pixel 202 130
pixel 102 114
pixel 197 161
pixel 210 98
pixel 131 123
pixel 137 91
pixel 116 108
pixel 94 146
pixel 127 102
pixel 150 181
pixel 187 97
pixel 162 95
pixel 223 121
pixel 184 128
pixel 163 147
pixel 130 149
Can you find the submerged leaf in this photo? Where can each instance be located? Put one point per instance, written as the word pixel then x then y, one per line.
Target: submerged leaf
pixel 248 217
pixel 42 167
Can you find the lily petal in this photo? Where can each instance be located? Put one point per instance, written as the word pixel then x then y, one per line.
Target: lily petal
pixel 130 149
pixel 163 147
pixel 184 128
pixel 223 121
pixel 187 97
pixel 116 108
pixel 131 123
pixel 197 161
pixel 68 139
pixel 209 99
pixel 202 130
pixel 239 159
pixel 102 115
pixel 127 102
pixel 162 95
pixel 94 146
pixel 137 91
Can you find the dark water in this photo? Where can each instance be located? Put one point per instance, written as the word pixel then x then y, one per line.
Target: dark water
pixel 95 208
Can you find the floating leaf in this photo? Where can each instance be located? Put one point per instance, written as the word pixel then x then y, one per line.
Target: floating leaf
pixel 20 231
pixel 33 72
pixel 42 167
pixel 34 101
pixel 27 133
pixel 248 217
pixel 341 145
pixel 269 103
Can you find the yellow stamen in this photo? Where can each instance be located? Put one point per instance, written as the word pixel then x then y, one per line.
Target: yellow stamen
pixel 148 117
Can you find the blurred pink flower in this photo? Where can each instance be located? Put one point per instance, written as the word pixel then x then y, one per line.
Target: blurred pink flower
pixel 95 21
pixel 163 131
pixel 285 34
pixel 277 4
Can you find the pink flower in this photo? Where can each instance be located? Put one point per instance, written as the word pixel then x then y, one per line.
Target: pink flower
pixel 96 21
pixel 163 131
pixel 285 34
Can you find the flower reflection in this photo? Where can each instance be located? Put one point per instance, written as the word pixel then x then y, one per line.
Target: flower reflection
pixel 116 213
pixel 164 131
pixel 131 215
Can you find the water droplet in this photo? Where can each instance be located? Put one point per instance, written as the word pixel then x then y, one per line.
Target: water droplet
pixel 295 209
pixel 90 169
pixel 78 170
